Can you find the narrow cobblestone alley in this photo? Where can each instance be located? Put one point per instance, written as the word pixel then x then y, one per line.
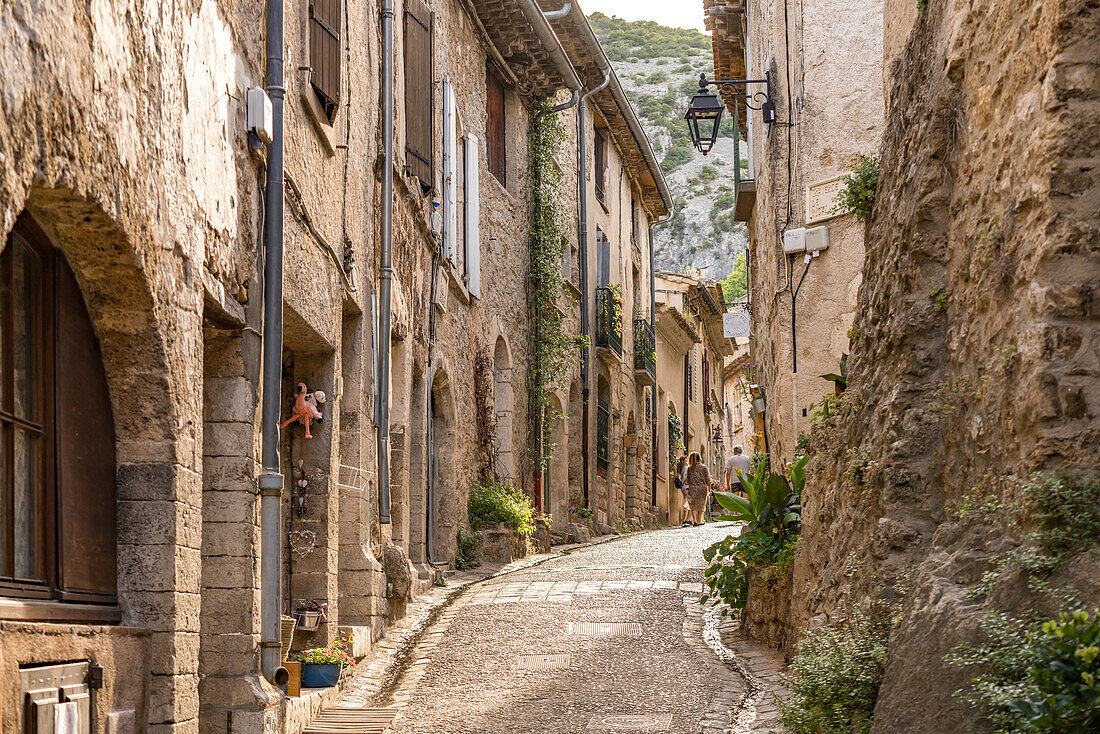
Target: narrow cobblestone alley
pixel 607 638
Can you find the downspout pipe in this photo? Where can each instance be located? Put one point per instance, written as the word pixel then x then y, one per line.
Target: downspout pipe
pixel 270 482
pixel 582 240
pixel 653 325
pixel 560 13
pixel 385 272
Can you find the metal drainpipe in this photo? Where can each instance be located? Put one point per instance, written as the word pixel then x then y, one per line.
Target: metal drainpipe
pixel 560 13
pixel 573 99
pixel 582 238
pixel 270 482
pixel 385 271
pixel 653 326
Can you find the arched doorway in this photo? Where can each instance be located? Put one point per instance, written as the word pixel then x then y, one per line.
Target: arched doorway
pixel 556 478
pixel 502 405
pixel 441 520
pixel 603 446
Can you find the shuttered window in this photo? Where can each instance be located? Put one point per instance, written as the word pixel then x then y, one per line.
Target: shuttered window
pixel 495 146
pixel 418 91
pixel 324 52
pixel 688 377
pixel 57 447
pixel 472 203
pixel 600 161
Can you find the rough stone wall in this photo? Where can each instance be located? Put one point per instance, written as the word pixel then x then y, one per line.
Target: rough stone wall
pixel 826 82
pixel 976 358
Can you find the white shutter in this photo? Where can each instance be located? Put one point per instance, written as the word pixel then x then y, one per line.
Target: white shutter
pixel 450 143
pixel 473 216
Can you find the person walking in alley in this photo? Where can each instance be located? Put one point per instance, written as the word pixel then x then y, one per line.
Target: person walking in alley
pixel 737 462
pixel 696 488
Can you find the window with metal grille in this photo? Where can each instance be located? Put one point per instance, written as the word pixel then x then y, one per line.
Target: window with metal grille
pixel 57 446
pixel 418 91
pixel 324 52
pixel 495 142
pixel 603 435
pixel 600 162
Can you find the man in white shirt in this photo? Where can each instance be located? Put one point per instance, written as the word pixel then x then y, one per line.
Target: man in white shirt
pixel 737 462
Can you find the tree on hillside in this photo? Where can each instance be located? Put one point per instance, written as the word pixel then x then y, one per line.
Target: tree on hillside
pixel 736 283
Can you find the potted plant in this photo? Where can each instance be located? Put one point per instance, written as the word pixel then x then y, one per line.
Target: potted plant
pixel 321 665
pixel 309 613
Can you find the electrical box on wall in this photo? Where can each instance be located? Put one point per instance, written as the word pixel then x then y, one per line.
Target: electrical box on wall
pixel 259 114
pixel 794 240
pixel 817 238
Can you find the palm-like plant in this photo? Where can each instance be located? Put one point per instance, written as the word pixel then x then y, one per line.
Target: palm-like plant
pixel 771 500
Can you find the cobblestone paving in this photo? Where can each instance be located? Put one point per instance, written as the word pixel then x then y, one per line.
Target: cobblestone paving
pixel 608 638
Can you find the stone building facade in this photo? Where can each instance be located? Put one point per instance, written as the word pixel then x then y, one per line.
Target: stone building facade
pixel 691 350
pixel 802 304
pixel 132 209
pixel 608 462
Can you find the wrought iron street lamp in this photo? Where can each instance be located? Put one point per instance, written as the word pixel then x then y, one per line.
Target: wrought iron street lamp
pixel 704 114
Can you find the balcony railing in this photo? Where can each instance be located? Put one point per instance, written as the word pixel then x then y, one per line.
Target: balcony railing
pixel 609 320
pixel 603 435
pixel 645 347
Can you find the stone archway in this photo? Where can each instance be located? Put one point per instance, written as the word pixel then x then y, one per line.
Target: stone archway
pixel 502 405
pixel 136 298
pixel 556 478
pixel 443 493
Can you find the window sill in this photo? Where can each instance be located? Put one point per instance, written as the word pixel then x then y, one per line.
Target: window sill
pixel 326 129
pixel 26 610
pixel 457 281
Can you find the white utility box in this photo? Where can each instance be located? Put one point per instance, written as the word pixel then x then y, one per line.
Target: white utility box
pixel 794 240
pixel 261 118
pixel 817 238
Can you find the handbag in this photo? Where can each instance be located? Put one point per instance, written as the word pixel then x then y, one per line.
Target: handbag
pixel 679 484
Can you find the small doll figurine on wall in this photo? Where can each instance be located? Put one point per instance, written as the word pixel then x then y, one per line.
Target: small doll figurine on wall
pixel 306 408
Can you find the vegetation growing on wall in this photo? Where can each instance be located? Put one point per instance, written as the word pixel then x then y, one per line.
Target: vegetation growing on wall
pixel 644 39
pixel 554 350
pixel 675 440
pixel 857 192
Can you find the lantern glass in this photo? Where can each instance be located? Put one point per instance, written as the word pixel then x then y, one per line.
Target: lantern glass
pixel 704 116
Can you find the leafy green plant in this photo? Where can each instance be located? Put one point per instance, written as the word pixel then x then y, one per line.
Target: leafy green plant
pixel 1042 676
pixel 583 512
pixel 467 557
pixel 857 188
pixel 736 283
pixel 837 671
pixel 940 300
pixel 494 501
pixel 675 440
pixel 334 654
pixel 771 509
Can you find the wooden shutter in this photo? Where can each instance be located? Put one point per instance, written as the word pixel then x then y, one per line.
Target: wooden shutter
pixel 600 163
pixel 85 445
pixel 495 145
pixel 450 174
pixel 418 91
pixel 473 215
pixel 324 52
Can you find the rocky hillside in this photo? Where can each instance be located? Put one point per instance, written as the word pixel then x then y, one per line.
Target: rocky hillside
pixel 659 69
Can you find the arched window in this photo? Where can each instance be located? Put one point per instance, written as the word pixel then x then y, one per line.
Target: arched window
pixel 57 445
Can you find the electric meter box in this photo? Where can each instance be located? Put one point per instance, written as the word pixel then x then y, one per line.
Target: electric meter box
pixel 794 240
pixel 260 116
pixel 817 239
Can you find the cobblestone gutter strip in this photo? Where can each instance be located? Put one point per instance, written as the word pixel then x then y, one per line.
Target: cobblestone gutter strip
pixel 756 712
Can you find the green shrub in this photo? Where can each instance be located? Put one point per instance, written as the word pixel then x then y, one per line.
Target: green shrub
pixel 857 192
pixel 837 671
pixel 657 77
pixel 1065 510
pixel 1042 676
pixel 493 501
pixel 467 556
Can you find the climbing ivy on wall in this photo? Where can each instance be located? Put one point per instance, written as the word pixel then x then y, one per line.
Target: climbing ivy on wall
pixel 554 350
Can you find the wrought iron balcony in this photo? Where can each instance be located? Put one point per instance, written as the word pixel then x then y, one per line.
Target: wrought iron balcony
pixel 645 352
pixel 609 322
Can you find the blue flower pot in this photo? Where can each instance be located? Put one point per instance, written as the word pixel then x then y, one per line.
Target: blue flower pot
pixel 320 676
